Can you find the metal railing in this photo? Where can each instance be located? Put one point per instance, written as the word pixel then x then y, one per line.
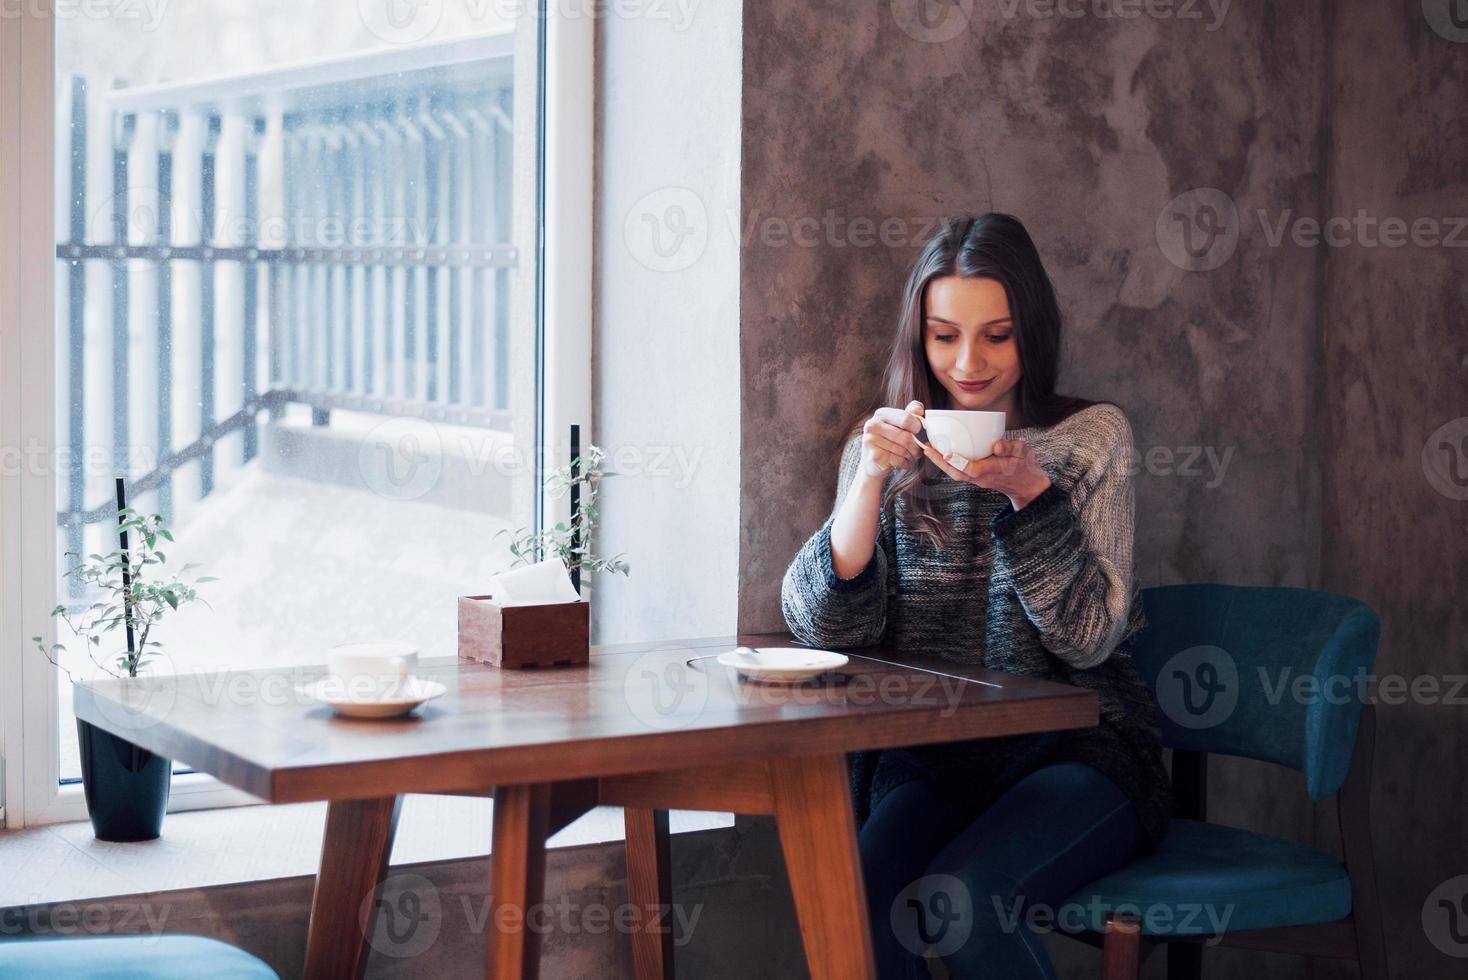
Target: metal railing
pixel 334 235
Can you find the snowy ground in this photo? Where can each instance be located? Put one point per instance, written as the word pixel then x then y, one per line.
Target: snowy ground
pixel 305 564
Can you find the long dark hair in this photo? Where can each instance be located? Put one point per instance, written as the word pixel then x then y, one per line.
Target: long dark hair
pixel 992 246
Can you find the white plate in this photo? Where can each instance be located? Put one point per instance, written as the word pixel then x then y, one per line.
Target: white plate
pixel 783 665
pixel 415 692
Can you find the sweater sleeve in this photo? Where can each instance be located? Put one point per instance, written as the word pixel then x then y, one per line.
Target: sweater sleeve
pixel 822 609
pixel 1069 554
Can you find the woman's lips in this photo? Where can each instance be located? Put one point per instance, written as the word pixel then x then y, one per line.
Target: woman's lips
pixel 975 385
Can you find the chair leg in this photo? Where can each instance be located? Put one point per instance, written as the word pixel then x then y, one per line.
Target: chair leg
pixel 1370 943
pixel 1184 961
pixel 1373 963
pixel 1353 808
pixel 1120 952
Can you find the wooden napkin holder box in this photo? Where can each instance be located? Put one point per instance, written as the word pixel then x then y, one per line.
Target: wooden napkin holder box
pixel 555 634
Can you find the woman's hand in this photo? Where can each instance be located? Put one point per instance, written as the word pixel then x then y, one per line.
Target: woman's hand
pixel 888 439
pixel 1013 470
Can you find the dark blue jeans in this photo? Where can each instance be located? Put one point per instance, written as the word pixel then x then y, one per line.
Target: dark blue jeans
pixel 965 889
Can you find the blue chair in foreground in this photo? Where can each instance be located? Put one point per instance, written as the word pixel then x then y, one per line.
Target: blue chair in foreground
pixel 141 957
pixel 1274 674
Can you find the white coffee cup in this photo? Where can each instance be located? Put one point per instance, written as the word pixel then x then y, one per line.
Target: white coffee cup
pixel 968 435
pixel 371 671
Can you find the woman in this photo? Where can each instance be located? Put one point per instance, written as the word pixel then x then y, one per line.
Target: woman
pixel 1021 562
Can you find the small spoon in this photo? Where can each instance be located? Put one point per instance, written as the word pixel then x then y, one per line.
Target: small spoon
pixel 750 653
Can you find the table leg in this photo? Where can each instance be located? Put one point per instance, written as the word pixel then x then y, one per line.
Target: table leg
pixel 813 811
pixel 650 889
pixel 354 856
pixel 516 880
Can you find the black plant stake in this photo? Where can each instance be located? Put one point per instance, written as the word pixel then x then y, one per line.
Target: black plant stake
pixel 575 505
pixel 127 592
pixel 137 756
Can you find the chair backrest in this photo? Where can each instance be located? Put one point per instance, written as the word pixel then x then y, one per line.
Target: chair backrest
pixel 1276 674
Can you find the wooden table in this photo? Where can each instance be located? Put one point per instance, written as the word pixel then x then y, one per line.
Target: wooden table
pixel 641 728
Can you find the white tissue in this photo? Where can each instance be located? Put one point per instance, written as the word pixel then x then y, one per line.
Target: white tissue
pixel 541 583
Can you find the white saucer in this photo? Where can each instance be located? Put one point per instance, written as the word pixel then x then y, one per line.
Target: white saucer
pixel 415 691
pixel 783 665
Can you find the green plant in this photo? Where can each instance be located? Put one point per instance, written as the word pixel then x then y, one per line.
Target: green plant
pixel 132 599
pixel 570 542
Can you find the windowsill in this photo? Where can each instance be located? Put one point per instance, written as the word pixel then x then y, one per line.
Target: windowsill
pixel 64 862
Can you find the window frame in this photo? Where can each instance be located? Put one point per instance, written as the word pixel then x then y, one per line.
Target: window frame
pixel 551 230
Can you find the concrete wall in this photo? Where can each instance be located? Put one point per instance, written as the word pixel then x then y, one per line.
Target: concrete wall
pixel 1282 390
pixel 1395 349
pixel 665 395
pixel 1086 129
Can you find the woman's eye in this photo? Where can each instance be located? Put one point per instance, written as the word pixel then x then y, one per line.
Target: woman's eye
pixel 998 338
pixel 945 338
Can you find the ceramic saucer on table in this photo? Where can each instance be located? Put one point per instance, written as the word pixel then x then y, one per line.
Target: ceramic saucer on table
pixel 414 691
pixel 781 665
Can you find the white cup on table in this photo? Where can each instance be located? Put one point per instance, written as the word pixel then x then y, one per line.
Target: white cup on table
pixel 371 671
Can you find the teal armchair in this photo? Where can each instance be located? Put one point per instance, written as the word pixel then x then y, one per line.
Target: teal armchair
pixel 128 958
pixel 1273 674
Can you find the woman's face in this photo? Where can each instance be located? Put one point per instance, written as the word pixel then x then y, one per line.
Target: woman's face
pixel 968 336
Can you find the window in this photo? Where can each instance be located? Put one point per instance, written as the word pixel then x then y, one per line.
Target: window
pixel 292 297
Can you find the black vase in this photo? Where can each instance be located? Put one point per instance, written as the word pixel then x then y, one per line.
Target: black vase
pixel 126 787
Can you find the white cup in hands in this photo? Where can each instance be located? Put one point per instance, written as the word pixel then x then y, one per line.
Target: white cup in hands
pixel 968 435
pixel 371 671
pixel 889 439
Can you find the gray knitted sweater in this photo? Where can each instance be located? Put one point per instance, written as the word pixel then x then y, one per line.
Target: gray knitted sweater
pixel 1048 591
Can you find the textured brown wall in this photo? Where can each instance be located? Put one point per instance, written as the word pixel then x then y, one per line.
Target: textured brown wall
pixel 1395 329
pixel 1084 128
pixel 1316 372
